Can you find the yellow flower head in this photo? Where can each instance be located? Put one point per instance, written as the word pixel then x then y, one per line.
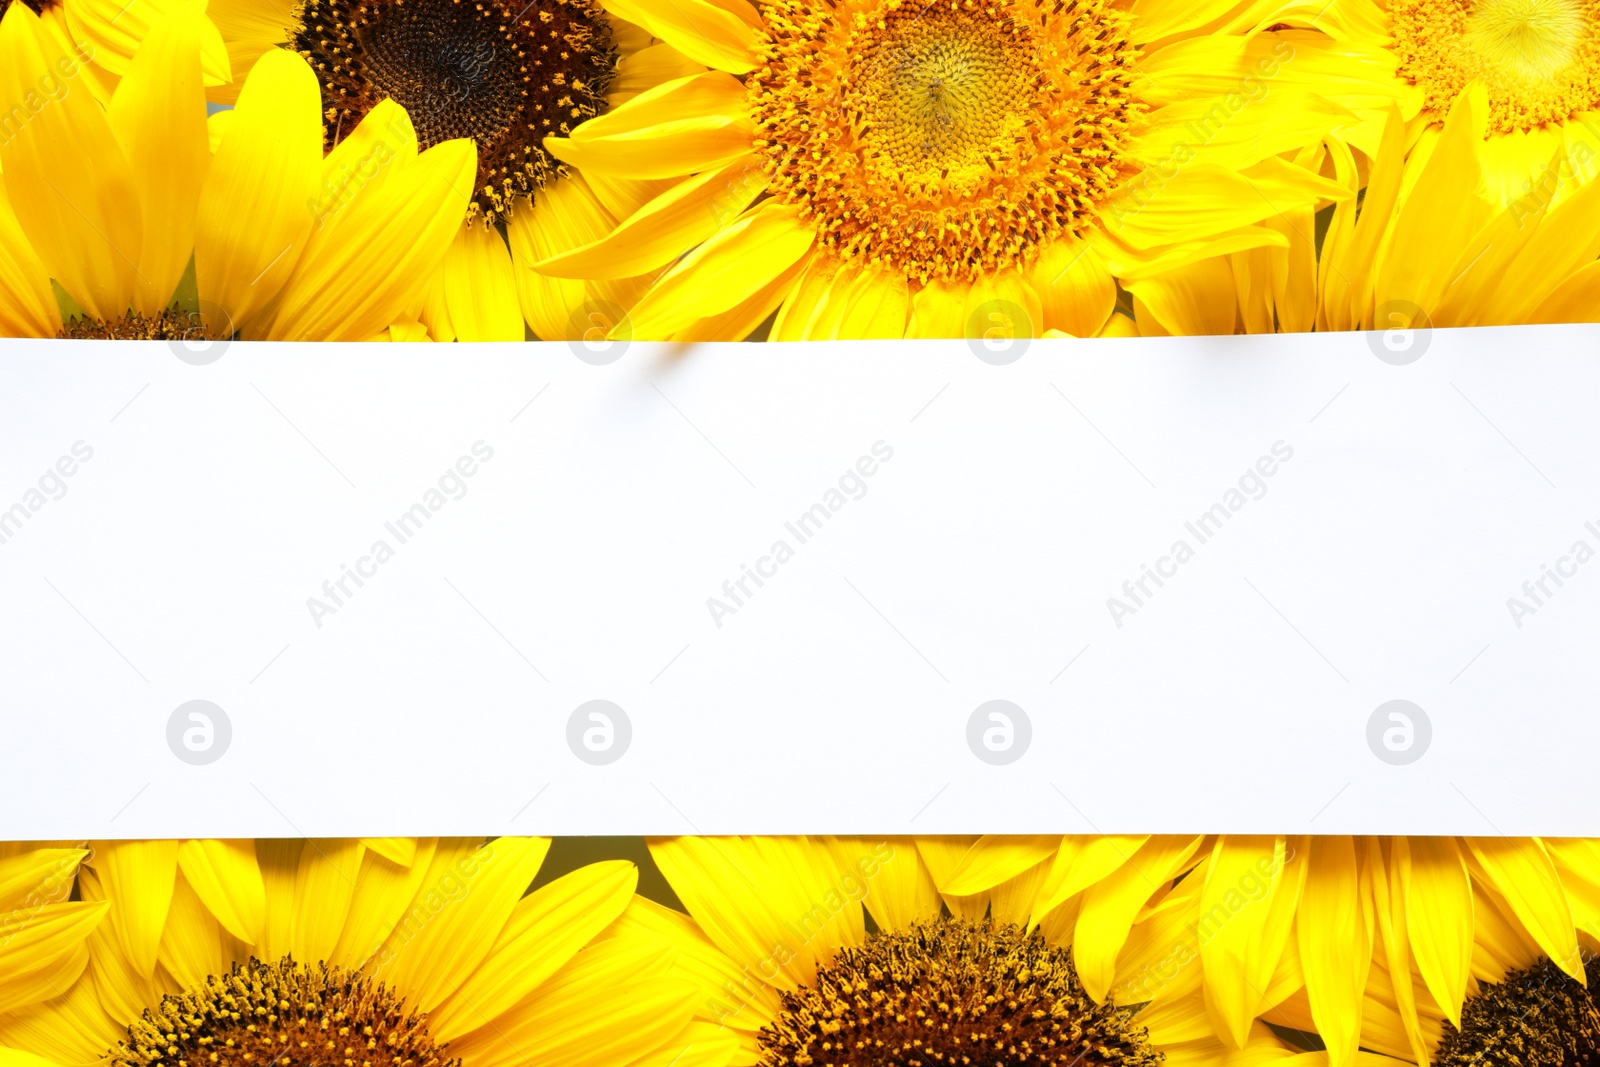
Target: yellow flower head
pixel 383 951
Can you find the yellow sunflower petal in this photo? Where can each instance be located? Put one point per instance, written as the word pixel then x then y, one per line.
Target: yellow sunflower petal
pixel 138 879
pixel 225 876
pixel 1522 872
pixel 546 929
pixel 112 31
pixel 46 949
pixel 324 885
pixel 707 33
pixel 1236 139
pixel 994 859
pixel 73 1028
pixel 1335 931
pixel 253 219
pixel 250 28
pixel 1388 905
pixel 1247 904
pixel 191 944
pixel 1196 299
pixel 401 851
pixel 729 995
pixel 38 876
pixel 279 860
pixel 621 197
pixel 1577 299
pixel 117 986
pixel 15 1057
pixel 363 269
pixel 474 295
pixel 807 301
pixel 679 127
pixel 615 1002
pixel 1440 210
pixel 992 299
pixel 739 322
pixel 666 227
pixel 875 306
pixel 565 215
pixel 647 68
pixel 386 897
pixel 1439 916
pixel 937 310
pixel 1080 862
pixel 1578 861
pixel 724 271
pixel 65 175
pixel 897 885
pixel 1159 961
pixel 1202 200
pixel 470 896
pixel 1076 290
pixel 158 113
pixel 775 905
pixel 28 306
pixel 1111 905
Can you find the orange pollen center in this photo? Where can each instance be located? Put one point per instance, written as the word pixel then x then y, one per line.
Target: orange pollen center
pixel 948 140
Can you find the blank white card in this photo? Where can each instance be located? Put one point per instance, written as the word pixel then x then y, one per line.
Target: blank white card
pixel 1280 584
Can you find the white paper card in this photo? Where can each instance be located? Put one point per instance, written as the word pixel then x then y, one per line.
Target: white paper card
pixel 1195 574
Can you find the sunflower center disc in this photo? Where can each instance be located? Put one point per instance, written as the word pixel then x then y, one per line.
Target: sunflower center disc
pixel 1538 1018
pixel 174 324
pixel 505 75
pixel 949 140
pixel 285 1014
pixel 951 992
pixel 1539 59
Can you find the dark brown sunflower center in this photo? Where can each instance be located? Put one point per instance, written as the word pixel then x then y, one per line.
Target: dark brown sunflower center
pixel 174 324
pixel 507 75
pixel 38 7
pixel 1535 1018
pixel 952 992
pixel 284 1014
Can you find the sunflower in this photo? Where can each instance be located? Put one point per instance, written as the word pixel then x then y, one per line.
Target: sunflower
pixel 501 73
pixel 117 209
pixel 1538 63
pixel 1479 932
pixel 1430 244
pixel 1464 221
pixel 797 973
pixel 888 169
pixel 424 953
pixel 1434 244
pixel 43 934
pixel 1374 943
